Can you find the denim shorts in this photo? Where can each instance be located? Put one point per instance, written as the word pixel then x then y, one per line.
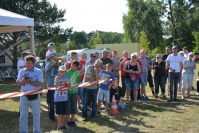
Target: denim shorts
pixel 144 79
pixel 105 93
pixel 61 107
pixel 71 105
pixel 132 84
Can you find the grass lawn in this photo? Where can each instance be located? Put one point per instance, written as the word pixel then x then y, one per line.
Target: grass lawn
pixel 155 115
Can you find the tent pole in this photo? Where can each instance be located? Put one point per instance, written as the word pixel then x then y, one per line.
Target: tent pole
pixel 32 41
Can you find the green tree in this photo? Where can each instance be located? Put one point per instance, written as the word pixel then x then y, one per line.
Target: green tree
pixel 80 39
pixel 196 42
pixel 72 46
pixel 182 18
pixel 46 17
pixel 144 41
pixel 101 37
pixel 144 16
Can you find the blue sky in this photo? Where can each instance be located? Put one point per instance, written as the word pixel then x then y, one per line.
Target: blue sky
pixel 92 15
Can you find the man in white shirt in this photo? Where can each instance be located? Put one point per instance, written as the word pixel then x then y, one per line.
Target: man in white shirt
pixel 174 64
pixel 21 63
pixel 186 52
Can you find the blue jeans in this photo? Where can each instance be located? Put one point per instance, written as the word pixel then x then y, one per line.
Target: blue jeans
pixel 159 81
pixel 174 79
pixel 80 92
pixel 23 120
pixel 89 93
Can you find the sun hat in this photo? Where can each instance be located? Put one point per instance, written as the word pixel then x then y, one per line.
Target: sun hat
pixel 174 47
pixel 51 44
pixel 62 68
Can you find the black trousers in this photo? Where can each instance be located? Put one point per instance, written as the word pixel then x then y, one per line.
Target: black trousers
pixel 197 86
pixel 123 86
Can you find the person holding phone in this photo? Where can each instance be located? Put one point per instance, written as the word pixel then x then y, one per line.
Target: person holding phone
pixel 174 64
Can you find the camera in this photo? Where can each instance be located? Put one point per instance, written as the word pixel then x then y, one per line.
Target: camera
pixel 26 76
pixel 196 53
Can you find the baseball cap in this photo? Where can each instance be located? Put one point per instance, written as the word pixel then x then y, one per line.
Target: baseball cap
pixel 62 68
pixel 174 47
pixel 51 44
pixel 158 55
pixel 105 50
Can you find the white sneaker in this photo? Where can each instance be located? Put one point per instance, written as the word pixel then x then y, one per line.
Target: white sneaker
pixel 182 97
pixel 197 93
pixel 103 111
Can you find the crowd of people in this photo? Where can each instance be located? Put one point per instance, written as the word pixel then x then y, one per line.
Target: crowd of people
pixel 176 69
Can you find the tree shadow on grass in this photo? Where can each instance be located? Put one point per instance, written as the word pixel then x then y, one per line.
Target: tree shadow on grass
pixel 127 121
pixel 162 107
pixel 9 121
pixel 119 123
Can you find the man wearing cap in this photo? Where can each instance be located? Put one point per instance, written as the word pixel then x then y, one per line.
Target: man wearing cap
pixel 174 64
pixel 105 59
pixel 50 75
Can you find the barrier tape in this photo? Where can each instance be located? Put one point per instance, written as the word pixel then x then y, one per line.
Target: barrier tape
pixel 25 93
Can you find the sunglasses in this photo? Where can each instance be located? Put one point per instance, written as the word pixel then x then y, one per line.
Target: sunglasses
pixel 93 56
pixel 134 56
pixel 158 57
pixel 191 55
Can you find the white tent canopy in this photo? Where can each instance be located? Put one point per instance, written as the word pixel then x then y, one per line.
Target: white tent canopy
pixel 12 22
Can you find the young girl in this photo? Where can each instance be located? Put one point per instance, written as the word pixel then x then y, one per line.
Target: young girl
pixel 61 97
pixel 116 90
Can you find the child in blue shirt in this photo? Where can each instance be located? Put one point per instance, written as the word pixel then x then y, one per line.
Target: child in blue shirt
pixel 61 97
pixel 104 88
pixel 52 59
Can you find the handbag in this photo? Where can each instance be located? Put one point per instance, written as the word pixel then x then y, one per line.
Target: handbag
pixel 132 76
pixel 32 97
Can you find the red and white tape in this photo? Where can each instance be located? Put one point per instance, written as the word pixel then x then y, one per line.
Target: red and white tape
pixel 21 93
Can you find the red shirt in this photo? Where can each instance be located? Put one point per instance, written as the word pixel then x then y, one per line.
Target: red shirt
pixel 82 64
pixel 122 67
pixel 79 68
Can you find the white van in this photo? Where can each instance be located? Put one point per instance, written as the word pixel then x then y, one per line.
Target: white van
pixel 85 50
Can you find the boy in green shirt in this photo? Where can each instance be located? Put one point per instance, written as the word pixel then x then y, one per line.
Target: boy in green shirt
pixel 71 106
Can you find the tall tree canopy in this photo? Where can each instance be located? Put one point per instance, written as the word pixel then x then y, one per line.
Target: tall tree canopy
pixel 165 22
pixel 46 17
pixel 144 16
